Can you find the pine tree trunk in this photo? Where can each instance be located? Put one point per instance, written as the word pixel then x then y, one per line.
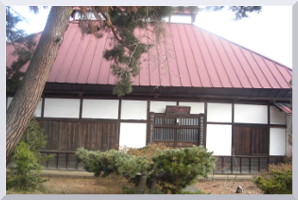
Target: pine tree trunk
pixel 30 90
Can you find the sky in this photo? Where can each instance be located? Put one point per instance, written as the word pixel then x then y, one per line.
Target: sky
pixel 268 33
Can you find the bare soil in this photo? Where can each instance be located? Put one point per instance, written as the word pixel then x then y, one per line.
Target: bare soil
pixel 114 184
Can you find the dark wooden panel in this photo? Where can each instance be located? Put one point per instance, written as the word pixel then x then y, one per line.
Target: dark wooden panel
pixel 260 141
pixel 68 132
pixel 52 131
pixel 250 140
pixel 241 140
pixel 72 134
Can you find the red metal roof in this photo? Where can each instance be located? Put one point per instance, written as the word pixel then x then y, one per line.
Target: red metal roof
pixel 187 57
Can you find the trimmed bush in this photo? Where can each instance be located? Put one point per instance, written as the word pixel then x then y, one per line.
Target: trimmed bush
pixel 105 163
pixel 277 180
pixel 169 170
pixel 175 169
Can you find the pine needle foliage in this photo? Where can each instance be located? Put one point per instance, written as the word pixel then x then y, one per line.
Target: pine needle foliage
pixel 27 158
pixel 276 180
pixel 26 176
pixel 24 47
pixel 168 171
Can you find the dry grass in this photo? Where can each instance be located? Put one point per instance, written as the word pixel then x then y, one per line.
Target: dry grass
pixel 114 184
pixel 85 185
pixel 227 186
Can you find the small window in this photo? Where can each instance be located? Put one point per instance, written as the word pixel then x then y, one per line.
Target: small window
pixel 175 130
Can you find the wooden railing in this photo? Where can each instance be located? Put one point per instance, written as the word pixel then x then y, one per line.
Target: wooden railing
pixel 61 160
pixel 224 164
pixel 244 164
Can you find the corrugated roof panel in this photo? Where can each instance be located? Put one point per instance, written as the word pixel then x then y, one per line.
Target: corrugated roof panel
pixel 69 36
pixel 220 67
pixel 202 67
pixel 164 70
pixel 246 67
pixel 213 74
pixel 104 72
pixel 181 63
pixel 87 61
pixel 143 73
pixel 277 74
pixel 232 76
pixel 188 50
pixel 256 69
pixel 154 67
pixel 171 59
pixel 97 60
pixel 144 70
pixel 77 64
pixel 236 64
pixel 68 54
pixel 267 73
pixel 193 66
pixel 286 73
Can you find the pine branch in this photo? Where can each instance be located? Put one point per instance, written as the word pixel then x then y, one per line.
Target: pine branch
pixel 113 28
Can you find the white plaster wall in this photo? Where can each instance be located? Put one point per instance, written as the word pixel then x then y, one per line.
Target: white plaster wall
pixel 132 135
pixel 219 112
pixel 64 108
pixel 133 109
pixel 160 106
pixel 100 109
pixel 245 113
pixel 277 141
pixel 277 116
pixel 196 107
pixel 219 139
pixel 37 112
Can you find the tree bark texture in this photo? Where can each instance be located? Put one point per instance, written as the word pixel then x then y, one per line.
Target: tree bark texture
pixel 30 90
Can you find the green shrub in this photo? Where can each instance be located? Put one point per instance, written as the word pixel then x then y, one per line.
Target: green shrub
pixel 27 158
pixel 36 139
pixel 177 168
pixel 105 163
pixel 277 180
pixel 101 163
pixel 27 172
pixel 170 169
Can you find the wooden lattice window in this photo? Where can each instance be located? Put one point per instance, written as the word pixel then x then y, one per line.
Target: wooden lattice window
pixel 179 129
